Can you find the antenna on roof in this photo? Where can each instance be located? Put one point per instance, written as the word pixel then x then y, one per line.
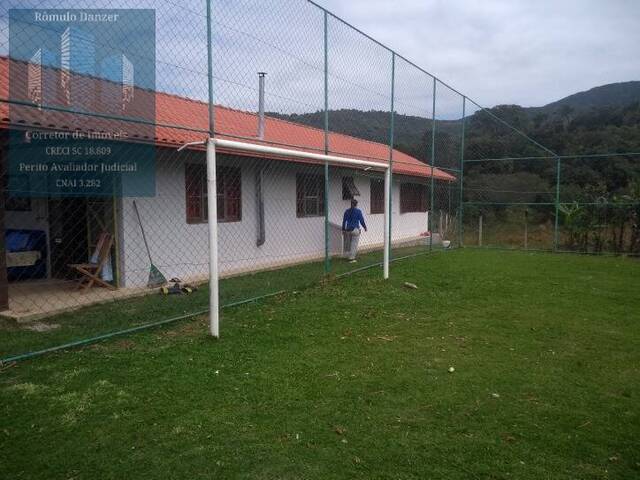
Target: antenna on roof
pixel 261 76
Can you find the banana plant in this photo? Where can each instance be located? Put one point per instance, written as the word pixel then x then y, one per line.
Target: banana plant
pixel 572 213
pixel 597 221
pixel 633 201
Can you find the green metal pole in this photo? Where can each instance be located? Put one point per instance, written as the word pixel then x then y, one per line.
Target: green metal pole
pixel 327 259
pixel 433 162
pixel 461 180
pixel 555 231
pixel 391 142
pixel 449 198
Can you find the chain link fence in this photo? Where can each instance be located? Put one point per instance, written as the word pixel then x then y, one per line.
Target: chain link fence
pixel 113 237
pixel 583 204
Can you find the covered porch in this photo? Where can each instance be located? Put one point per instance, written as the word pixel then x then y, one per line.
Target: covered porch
pixel 36 299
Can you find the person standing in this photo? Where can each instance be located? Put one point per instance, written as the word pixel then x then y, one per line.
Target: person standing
pixel 351 222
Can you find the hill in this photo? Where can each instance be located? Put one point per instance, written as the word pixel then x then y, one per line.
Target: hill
pixel 602 119
pixel 611 95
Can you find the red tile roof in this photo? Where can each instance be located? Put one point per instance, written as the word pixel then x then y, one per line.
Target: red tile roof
pixel 179 120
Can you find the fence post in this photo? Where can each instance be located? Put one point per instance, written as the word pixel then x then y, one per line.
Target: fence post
pixel 461 180
pixel 391 142
pixel 4 284
pixel 480 230
pixel 555 230
pixel 526 228
pixel 327 259
pixel 387 226
pixel 433 164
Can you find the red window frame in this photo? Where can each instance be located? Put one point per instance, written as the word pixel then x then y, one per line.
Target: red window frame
pixel 413 197
pixel 377 196
pixel 309 195
pixel 229 193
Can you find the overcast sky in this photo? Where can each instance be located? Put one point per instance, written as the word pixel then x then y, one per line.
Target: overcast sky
pixel 528 52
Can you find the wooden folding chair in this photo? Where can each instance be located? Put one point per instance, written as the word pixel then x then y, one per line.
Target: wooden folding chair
pixel 91 271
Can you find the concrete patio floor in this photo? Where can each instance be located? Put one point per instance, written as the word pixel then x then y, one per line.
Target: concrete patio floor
pixel 33 300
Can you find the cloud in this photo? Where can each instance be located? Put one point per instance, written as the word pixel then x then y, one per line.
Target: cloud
pixel 497 51
pixel 494 51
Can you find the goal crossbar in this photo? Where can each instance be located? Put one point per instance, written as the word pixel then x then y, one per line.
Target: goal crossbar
pixel 301 154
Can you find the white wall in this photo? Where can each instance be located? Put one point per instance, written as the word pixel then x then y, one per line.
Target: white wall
pixel 180 249
pixel 404 226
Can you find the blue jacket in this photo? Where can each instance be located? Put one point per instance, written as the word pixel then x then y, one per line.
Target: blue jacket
pixel 353 219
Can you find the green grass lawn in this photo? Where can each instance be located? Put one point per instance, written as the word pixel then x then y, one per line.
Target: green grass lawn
pixel 350 379
pixel 114 316
pixel 101 319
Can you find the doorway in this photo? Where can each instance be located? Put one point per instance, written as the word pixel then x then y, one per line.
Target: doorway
pixel 75 225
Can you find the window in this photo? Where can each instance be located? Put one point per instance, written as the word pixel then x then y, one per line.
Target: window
pixel 413 198
pixel 377 196
pixel 228 190
pixel 196 190
pixel 309 195
pixel 229 194
pixel 349 189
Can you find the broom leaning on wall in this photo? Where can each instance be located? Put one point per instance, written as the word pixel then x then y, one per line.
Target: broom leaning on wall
pixel 156 278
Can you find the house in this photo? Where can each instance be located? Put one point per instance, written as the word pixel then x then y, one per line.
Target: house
pixel 270 209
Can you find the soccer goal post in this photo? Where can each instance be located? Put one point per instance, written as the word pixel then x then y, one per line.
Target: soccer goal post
pixel 212 143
